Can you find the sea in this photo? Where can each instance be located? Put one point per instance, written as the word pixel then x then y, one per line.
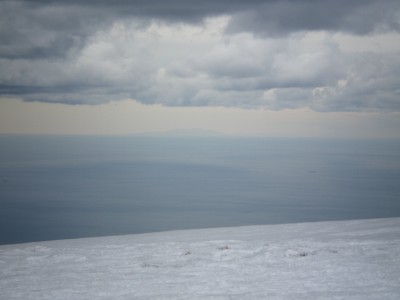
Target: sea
pixel 61 187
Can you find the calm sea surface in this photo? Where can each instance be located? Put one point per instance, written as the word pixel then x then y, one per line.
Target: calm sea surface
pixel 54 187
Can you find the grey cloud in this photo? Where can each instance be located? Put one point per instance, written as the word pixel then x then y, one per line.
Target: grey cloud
pixel 37 31
pixel 359 16
pixel 282 17
pixel 372 83
pixel 53 28
pixel 90 52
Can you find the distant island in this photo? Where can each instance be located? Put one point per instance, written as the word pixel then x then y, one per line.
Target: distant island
pixel 183 132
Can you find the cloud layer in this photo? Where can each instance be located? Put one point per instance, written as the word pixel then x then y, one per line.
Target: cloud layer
pixel 270 54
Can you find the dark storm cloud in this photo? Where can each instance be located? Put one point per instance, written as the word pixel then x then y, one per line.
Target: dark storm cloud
pixel 94 51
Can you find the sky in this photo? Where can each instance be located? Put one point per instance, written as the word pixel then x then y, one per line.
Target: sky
pixel 257 67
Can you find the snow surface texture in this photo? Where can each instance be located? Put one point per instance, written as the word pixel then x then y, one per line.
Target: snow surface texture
pixel 326 260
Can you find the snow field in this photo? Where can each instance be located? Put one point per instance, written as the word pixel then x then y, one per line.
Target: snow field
pixel 327 260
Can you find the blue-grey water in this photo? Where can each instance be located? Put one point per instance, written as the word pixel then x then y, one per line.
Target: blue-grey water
pixel 57 187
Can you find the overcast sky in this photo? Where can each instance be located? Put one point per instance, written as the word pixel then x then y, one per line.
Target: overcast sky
pixel 293 61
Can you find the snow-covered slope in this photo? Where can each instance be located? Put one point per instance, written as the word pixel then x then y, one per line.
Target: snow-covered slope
pixel 327 260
